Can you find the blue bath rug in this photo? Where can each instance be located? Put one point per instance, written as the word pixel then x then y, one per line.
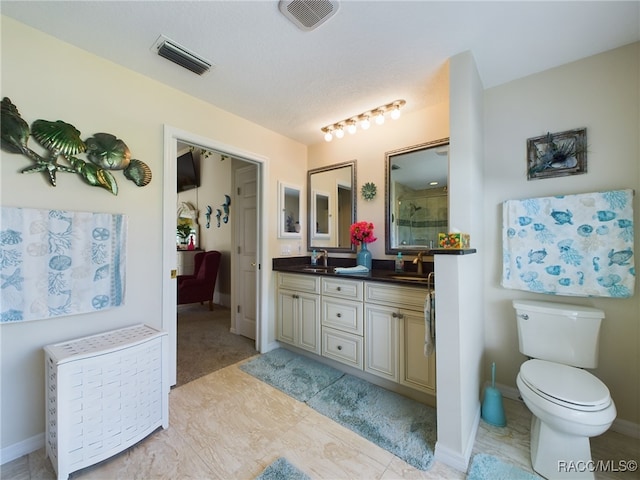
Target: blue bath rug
pixel 297 376
pixel 488 467
pixel 398 424
pixel 281 469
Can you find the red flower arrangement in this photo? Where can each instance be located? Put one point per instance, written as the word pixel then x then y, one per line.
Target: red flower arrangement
pixel 362 232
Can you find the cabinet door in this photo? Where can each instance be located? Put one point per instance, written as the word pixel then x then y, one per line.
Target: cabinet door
pixel 418 371
pixel 309 322
pixel 286 315
pixel 381 341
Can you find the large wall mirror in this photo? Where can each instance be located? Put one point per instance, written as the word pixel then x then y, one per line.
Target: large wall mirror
pixel 331 205
pixel 417 202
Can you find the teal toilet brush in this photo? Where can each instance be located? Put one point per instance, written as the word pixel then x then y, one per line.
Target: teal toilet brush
pixel 492 408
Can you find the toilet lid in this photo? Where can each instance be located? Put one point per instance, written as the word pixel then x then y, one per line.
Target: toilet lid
pixel 569 386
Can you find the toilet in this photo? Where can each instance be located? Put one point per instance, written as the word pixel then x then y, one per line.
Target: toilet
pixel 569 404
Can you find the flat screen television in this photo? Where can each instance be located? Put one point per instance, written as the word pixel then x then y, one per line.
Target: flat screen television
pixel 188 172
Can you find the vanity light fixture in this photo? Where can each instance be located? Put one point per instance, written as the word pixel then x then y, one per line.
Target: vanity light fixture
pixel 379 116
pixel 364 119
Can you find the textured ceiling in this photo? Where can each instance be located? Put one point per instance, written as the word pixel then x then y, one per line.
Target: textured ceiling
pixel 370 53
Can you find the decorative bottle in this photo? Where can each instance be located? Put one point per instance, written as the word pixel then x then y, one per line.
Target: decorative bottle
pixel 364 256
pixel 399 263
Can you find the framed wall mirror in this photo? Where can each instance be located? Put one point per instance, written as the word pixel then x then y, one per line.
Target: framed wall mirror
pixel 289 221
pixel 416 197
pixel 331 201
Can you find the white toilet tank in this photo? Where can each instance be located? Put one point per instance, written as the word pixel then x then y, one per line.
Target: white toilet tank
pixel 560 333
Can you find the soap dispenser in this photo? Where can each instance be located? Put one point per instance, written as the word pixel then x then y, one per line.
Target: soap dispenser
pixel 314 258
pixel 399 263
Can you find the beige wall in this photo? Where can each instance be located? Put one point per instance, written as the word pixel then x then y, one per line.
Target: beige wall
pixel 48 79
pixel 601 93
pixel 368 149
pixel 216 176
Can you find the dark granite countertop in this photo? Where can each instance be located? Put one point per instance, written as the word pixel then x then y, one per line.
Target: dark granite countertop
pixel 382 271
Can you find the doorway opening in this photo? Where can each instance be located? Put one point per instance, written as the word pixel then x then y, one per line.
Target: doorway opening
pixel 252 220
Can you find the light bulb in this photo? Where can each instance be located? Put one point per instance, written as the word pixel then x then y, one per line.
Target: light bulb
pixel 379 118
pixel 364 124
pixel 327 136
pixel 395 113
pixel 339 132
pixel 351 127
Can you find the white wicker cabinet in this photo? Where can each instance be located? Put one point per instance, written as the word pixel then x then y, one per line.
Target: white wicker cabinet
pixel 104 393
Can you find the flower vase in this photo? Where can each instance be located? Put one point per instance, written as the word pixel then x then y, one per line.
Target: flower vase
pixel 364 256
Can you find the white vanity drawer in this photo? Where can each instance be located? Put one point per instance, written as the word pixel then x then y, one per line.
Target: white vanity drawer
pixel 342 347
pixel 396 295
pixel 343 314
pixel 299 283
pixel 348 289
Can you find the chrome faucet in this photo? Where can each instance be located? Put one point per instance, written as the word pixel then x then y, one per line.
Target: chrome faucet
pixel 324 255
pixel 418 261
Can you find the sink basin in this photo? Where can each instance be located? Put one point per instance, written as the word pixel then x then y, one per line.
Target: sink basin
pixel 411 278
pixel 316 269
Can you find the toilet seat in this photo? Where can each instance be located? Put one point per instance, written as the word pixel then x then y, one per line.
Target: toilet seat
pixel 566 386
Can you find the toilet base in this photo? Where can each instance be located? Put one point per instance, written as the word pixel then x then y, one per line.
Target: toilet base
pixel 559 455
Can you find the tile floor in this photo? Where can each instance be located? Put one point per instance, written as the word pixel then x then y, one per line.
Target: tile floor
pixel 229 425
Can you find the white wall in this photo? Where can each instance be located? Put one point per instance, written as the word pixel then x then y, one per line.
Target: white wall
pixel 459 327
pixel 601 93
pixel 49 79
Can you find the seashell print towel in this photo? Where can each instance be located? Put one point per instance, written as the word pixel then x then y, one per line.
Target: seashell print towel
pixel 55 263
pixel 575 245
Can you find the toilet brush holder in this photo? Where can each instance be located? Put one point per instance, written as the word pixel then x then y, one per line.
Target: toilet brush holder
pixel 492 408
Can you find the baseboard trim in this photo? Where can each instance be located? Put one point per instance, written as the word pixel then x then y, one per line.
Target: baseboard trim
pixel 457 460
pixel 22 448
pixel 624 427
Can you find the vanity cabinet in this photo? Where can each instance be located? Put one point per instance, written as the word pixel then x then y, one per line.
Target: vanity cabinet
pixel 342 321
pixel 377 327
pixel 395 333
pixel 417 371
pixel 298 311
pixel 382 332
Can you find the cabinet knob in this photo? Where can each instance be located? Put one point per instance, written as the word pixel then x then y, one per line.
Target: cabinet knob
pixel 339 315
pixel 339 347
pixel 338 289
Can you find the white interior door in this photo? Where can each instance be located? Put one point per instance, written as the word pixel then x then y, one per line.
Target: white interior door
pixel 246 250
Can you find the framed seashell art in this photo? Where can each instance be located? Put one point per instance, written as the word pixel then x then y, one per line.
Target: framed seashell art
pixel 557 154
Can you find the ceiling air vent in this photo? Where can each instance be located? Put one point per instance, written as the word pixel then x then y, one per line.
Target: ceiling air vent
pixel 178 54
pixel 308 14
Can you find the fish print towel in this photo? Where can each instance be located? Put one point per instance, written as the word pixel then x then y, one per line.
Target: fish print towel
pixel 55 263
pixel 574 245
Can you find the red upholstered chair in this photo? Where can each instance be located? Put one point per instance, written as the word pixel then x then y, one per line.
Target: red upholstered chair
pixel 199 287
